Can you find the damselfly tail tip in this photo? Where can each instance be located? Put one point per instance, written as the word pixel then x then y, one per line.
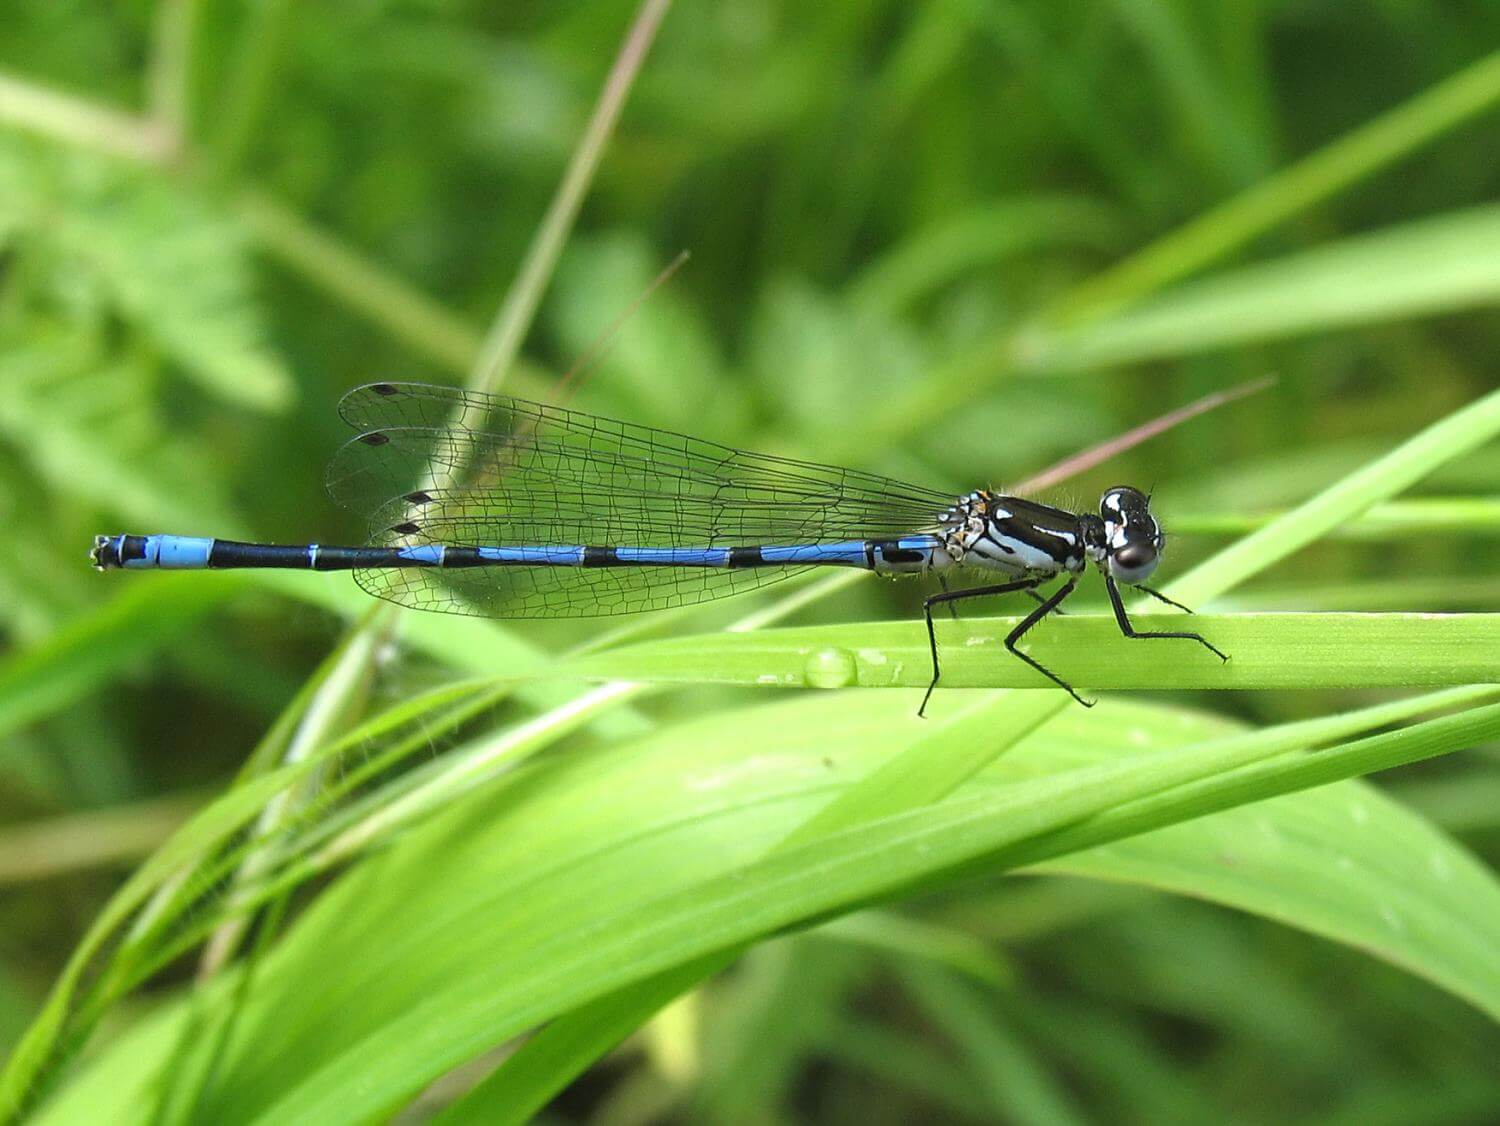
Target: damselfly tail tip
pixel 105 553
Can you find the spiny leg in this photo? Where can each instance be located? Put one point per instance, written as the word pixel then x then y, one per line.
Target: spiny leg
pixel 1030 593
pixel 951 596
pixel 1040 598
pixel 1160 597
pixel 1030 620
pixel 952 603
pixel 1130 631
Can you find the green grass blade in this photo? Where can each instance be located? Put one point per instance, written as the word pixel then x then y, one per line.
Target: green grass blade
pixel 902 935
pixel 1266 651
pixel 540 1068
pixel 118 638
pixel 171 879
pixel 931 768
pixel 1018 1085
pixel 1446 440
pixel 1435 265
pixel 980 237
pixel 1209 238
pixel 1396 520
pixel 1388 138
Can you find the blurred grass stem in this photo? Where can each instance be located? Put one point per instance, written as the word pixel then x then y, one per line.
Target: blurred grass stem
pixel 169 72
pixel 513 321
pixel 77 121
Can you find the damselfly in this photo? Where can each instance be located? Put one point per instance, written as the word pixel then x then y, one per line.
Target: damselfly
pixel 499 507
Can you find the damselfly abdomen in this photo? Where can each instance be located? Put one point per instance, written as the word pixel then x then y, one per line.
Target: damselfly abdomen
pixel 498 507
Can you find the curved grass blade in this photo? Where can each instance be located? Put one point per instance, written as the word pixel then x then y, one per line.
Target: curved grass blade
pixel 447 966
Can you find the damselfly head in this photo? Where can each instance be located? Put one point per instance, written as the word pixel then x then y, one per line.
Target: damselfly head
pixel 1133 539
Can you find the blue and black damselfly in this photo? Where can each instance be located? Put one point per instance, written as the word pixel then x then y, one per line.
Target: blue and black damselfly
pixel 498 507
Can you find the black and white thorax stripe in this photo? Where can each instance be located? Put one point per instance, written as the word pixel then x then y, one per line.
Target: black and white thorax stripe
pixel 1016 536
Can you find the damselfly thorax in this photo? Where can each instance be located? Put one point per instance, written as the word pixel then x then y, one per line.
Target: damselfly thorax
pixel 1019 537
pixel 1013 536
pixel 498 507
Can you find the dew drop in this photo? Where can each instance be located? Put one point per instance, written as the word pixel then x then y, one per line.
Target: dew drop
pixel 830 668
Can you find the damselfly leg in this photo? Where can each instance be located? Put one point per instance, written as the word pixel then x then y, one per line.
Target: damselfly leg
pixel 1130 631
pixel 1048 605
pixel 1031 592
pixel 1160 597
pixel 1031 619
pixel 1039 597
pixel 952 603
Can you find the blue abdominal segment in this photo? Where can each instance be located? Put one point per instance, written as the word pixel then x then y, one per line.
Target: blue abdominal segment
pixel 533 556
pixel 167 553
pixel 674 556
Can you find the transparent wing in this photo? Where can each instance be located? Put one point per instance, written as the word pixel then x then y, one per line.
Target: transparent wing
pixel 439 465
pixel 546 592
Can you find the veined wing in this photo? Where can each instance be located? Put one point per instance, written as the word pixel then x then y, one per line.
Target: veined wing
pixel 442 466
pixel 415 434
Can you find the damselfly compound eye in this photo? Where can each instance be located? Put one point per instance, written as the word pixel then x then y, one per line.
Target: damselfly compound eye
pixel 1133 563
pixel 1123 503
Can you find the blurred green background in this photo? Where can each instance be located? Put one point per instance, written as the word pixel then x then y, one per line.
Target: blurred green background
pixel 916 237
